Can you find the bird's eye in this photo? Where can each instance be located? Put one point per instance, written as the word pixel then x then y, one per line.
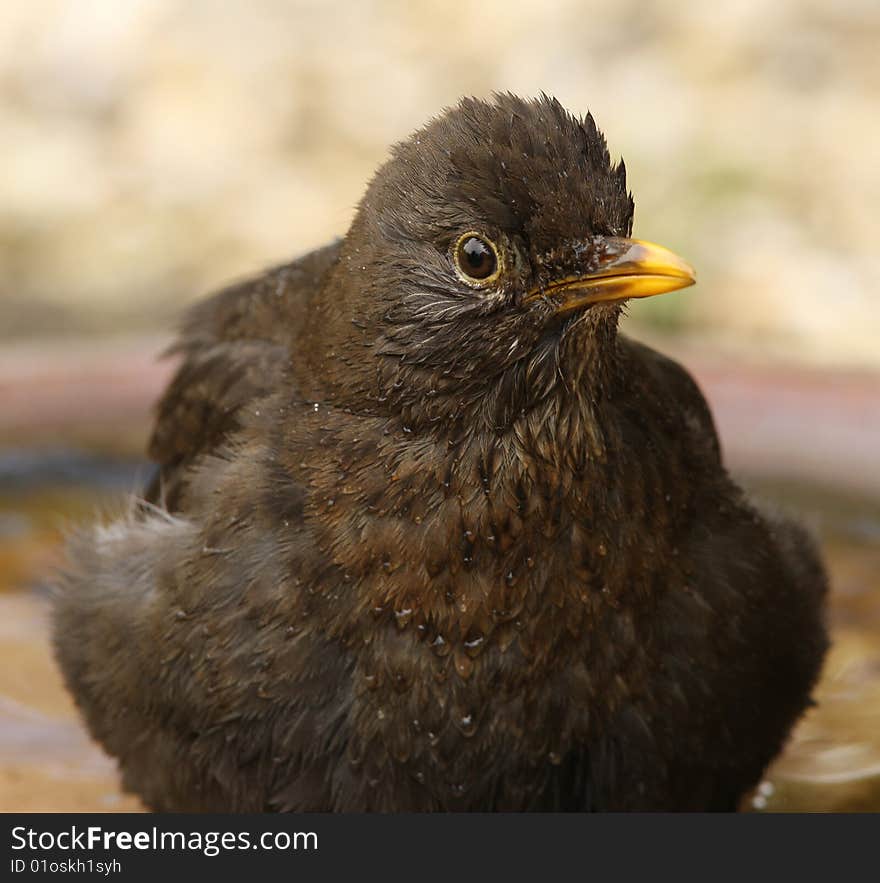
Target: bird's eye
pixel 476 259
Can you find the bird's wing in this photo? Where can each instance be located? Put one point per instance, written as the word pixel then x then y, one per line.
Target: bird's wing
pixel 235 346
pixel 678 386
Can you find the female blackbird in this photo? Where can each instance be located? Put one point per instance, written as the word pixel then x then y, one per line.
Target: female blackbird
pixel 429 534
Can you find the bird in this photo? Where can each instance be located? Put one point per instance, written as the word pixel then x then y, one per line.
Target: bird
pixel 430 533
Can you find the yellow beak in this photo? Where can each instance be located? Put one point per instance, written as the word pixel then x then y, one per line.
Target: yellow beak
pixel 628 268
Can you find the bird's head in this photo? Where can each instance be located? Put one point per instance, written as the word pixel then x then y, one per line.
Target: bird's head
pixel 489 259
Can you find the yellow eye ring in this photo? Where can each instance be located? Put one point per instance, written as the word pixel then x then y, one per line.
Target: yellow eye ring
pixel 477 259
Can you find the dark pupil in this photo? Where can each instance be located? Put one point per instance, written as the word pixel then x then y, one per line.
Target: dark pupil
pixel 477 258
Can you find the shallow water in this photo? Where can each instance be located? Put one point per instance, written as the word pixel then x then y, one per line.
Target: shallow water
pixel 47 762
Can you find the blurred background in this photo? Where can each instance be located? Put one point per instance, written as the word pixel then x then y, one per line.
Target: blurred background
pixel 153 150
